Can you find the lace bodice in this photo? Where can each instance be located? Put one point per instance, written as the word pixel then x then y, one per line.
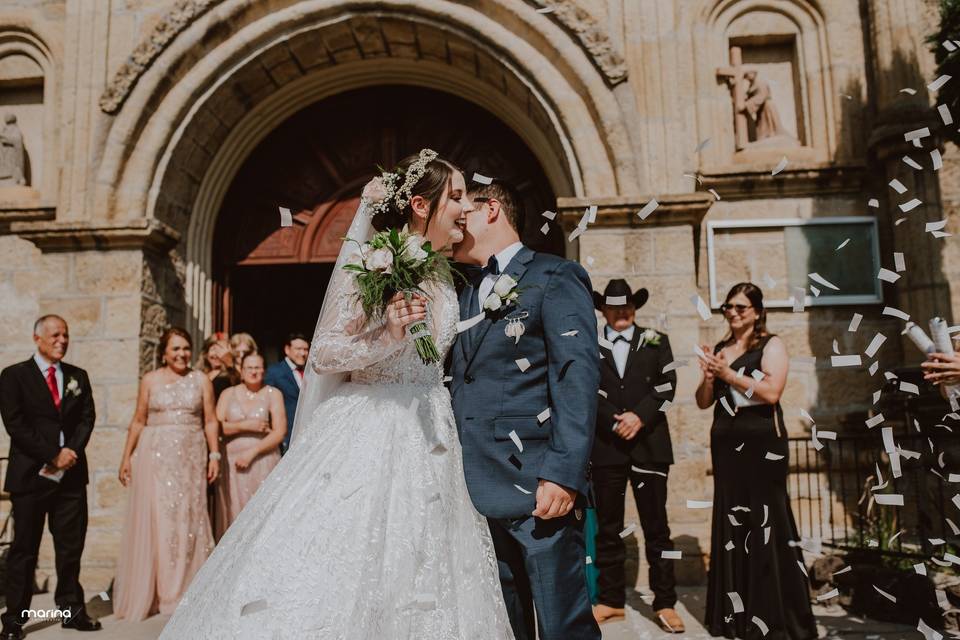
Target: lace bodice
pixel 371 355
pixel 177 403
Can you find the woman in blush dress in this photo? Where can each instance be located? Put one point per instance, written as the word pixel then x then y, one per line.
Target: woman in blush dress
pixel 240 345
pixel 165 465
pixel 216 360
pixel 254 424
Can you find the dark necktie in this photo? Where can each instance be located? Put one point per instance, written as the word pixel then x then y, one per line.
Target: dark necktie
pixel 620 338
pixel 492 268
pixel 300 372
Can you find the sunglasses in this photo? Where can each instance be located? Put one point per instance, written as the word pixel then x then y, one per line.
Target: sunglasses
pixel 739 307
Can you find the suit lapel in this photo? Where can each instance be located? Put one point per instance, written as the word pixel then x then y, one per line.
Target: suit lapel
pixel 516 270
pixel 634 353
pixel 608 359
pixel 67 396
pixel 465 314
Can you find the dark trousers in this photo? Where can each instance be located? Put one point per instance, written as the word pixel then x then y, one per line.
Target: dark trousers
pixel 609 485
pixel 542 565
pixel 67 510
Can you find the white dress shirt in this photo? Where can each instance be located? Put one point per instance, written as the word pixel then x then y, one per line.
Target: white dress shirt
pixel 44 365
pixel 296 374
pixel 621 348
pixel 503 259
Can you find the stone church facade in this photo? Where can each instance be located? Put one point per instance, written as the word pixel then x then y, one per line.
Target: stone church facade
pixel 153 141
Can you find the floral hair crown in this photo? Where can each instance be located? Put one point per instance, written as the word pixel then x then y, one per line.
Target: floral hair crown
pixel 381 191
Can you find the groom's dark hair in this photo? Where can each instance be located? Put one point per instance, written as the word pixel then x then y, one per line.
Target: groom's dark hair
pixel 506 194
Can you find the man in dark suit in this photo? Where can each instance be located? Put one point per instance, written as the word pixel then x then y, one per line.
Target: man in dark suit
pixel 287 375
pixel 632 446
pixel 47 408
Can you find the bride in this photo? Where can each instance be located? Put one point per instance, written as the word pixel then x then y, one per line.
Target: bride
pixel 364 530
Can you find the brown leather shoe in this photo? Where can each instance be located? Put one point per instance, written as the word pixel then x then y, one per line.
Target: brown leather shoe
pixel 603 613
pixel 670 621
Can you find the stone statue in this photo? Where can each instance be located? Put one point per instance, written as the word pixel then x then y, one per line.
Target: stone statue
pixel 13 159
pixel 761 109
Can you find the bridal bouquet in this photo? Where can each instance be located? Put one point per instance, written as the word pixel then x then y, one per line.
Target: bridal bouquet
pixel 399 261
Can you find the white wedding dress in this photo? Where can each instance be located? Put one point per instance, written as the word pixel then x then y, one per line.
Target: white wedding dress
pixel 365 530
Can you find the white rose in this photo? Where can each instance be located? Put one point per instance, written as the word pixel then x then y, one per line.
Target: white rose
pixel 649 335
pixel 413 248
pixel 503 285
pixel 73 385
pixel 493 302
pixel 381 260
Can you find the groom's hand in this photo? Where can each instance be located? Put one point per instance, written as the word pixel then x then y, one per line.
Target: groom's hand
pixel 553 500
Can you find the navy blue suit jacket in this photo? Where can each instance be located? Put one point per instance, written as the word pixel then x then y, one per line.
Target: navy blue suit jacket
pixel 280 375
pixel 493 398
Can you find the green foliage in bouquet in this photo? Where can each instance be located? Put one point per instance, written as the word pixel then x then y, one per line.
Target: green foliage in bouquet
pixel 395 261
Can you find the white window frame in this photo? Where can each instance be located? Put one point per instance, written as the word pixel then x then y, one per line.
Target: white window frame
pixel 810 301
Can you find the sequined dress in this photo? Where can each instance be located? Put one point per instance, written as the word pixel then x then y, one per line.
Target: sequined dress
pixel 364 530
pixel 167 535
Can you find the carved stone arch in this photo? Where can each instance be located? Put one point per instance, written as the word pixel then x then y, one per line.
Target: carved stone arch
pixel 28 74
pixel 798 21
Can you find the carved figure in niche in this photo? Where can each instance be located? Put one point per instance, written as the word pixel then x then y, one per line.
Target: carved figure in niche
pixel 761 109
pixel 13 159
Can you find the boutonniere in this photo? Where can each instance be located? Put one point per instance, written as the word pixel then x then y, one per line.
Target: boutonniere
pixel 505 292
pixel 73 387
pixel 651 337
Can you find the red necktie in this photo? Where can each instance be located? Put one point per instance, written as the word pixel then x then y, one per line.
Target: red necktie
pixel 300 372
pixel 52 383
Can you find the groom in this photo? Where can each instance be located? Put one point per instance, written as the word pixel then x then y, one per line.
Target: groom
pixel 525 380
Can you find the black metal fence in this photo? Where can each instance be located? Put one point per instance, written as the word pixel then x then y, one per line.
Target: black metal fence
pixel 834 492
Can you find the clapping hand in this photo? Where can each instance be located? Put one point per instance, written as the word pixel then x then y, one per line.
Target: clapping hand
pixel 713 365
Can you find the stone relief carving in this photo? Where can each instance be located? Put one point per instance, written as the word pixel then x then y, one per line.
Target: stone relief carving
pixel 13 158
pixel 573 18
pixel 178 19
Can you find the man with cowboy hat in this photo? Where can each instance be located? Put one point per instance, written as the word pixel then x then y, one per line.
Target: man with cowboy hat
pixel 632 445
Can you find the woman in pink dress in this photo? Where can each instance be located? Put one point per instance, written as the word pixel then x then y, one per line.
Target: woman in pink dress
pixel 165 465
pixel 254 424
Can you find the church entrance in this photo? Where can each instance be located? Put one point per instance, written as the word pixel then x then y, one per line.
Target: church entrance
pixel 270 280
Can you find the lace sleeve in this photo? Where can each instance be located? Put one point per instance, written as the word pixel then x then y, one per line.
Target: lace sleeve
pixel 344 341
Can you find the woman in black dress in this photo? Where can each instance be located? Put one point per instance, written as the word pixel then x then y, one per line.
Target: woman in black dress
pixel 756 585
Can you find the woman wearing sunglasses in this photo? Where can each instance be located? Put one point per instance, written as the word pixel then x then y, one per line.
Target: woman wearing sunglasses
pixel 756 585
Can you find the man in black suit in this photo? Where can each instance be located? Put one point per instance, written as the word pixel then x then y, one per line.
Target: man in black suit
pixel 287 375
pixel 632 446
pixel 47 408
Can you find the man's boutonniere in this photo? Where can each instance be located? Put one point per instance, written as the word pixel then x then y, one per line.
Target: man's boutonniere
pixel 73 387
pixel 505 293
pixel 651 337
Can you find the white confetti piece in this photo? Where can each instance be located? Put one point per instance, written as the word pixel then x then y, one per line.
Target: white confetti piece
pixel 673 366
pixel 910 162
pixel 826 596
pixel 953 527
pixel 874 421
pixel 666 405
pixel 602 392
pixel 899 264
pixel 522 490
pixel 736 601
pixel 714 193
pixel 920 568
pixel 873 202
pixel 945 115
pixel 896 313
pixel 671 555
pixel 949 46
pixel 523 364
pixel 911 92
pixel 780 166
pixel 899 221
pixel 897 186
pixel 739 447
pixel 937 159
pixel 935 226
pixel 884 594
pixel 576 233
pixel 816 277
pixel 699 504
pixel 569 334
pixel 589 560
pixel 939 82
pixel 764 630
pixel 842 244
pixel 592 213
pixel 254 607
pixel 701 306
pixel 648 208
pixel 730 546
pixel 630 528
pixel 603 342
pixel 286 219
pixel 655 473
pixel 447 379
pixel 844 570
pixel 845 361
pixel 940 234
pixel 891 499
pixel 887 276
pixel 543 416
pixel 463 325
pixel 549 215
pixel 915 134
pixel 929 633
pixel 910 205
pixel 855 322
pixel 942 600
pixel 726 405
pixel 799 299
pixel 516 440
pixel 661 388
pixel 481 179
pixel 105 596
pixel 815 291
pixel 802 568
pixel 545 229
pixel 773 456
pixel 875 345
pixel 909 387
